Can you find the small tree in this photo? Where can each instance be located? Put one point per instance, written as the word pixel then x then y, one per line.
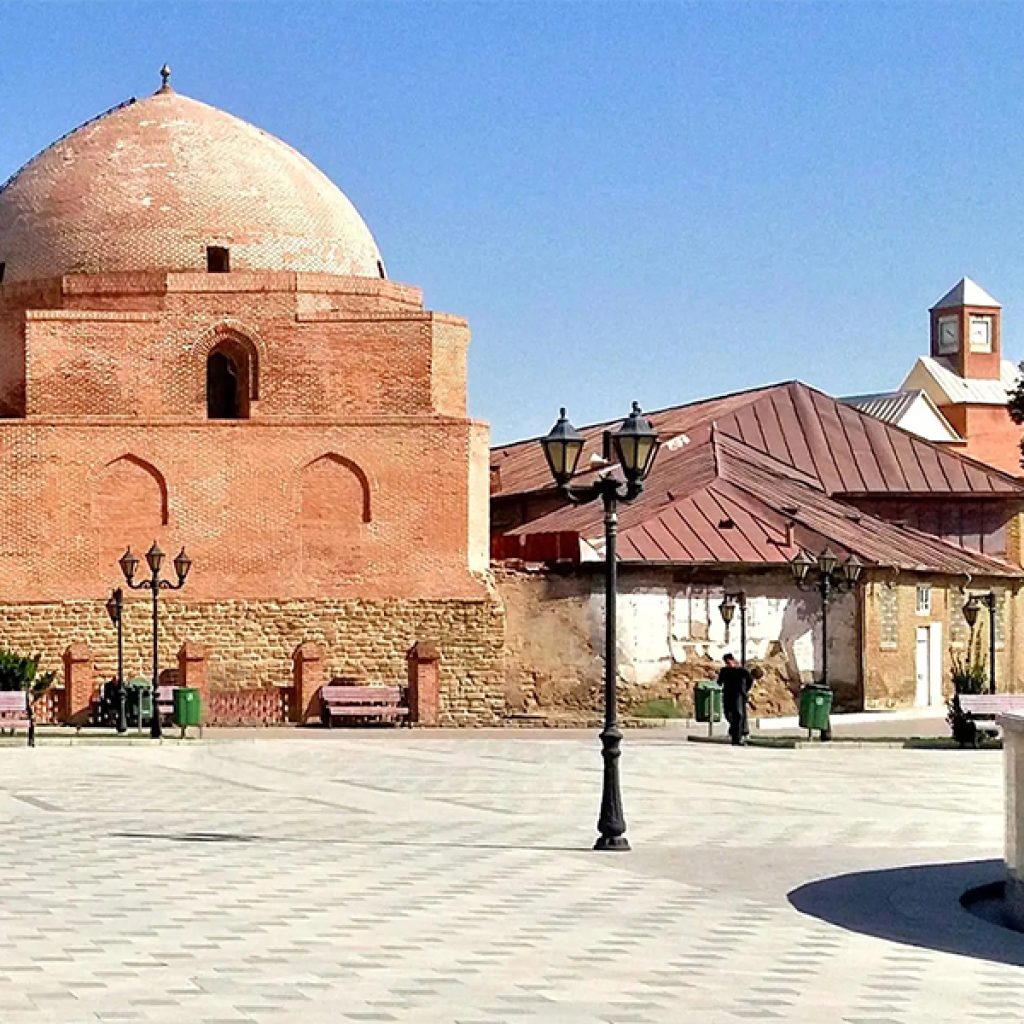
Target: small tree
pixel 1015 404
pixel 18 672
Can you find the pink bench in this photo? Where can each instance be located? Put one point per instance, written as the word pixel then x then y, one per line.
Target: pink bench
pixel 13 710
pixel 369 703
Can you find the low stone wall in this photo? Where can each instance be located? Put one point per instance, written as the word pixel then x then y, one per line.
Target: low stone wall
pixel 269 705
pixel 250 644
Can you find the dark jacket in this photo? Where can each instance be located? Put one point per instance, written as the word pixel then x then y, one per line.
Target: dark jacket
pixel 736 683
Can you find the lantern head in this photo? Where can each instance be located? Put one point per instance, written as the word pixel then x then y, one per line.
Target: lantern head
pixel 636 445
pixel 562 446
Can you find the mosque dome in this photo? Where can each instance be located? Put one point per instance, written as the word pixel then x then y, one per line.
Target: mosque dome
pixel 159 183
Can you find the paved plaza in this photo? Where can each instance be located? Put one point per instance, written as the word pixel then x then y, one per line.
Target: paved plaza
pixel 446 877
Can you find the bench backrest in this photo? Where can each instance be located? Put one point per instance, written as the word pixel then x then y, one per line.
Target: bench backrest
pixel 360 694
pixel 991 703
pixel 12 701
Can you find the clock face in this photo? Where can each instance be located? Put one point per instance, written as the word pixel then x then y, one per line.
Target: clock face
pixel 949 335
pixel 981 334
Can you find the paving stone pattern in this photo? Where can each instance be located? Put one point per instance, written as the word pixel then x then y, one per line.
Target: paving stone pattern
pixel 448 878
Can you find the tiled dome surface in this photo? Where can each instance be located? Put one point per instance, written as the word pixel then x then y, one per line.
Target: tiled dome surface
pixel 152 183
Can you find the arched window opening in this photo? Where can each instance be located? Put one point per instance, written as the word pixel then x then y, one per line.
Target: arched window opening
pixel 227 391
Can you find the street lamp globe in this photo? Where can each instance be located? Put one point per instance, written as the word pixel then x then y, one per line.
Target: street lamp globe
pixel 562 446
pixel 727 609
pixel 827 562
pixel 636 444
pixel 154 559
pixel 852 569
pixel 129 563
pixel 801 565
pixel 971 612
pixel 111 607
pixel 182 564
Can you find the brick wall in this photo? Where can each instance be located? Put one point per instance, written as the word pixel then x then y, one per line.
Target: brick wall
pixel 250 645
pixel 892 618
pixel 348 480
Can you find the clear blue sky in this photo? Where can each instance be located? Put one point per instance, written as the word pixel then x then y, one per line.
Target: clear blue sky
pixel 651 201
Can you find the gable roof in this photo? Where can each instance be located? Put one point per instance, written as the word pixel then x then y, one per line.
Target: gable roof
pixel 742 507
pixel 913 410
pixel 937 378
pixel 966 293
pixel 754 476
pixel 840 448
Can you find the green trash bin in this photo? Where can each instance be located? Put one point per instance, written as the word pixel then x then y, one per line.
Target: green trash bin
pixel 707 701
pixel 187 706
pixel 815 707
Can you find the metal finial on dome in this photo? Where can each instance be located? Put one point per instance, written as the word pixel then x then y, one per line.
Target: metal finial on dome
pixel 165 78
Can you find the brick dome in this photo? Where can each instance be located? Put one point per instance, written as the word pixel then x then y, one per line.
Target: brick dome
pixel 152 183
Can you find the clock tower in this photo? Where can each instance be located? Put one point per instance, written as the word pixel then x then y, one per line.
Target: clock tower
pixel 966 331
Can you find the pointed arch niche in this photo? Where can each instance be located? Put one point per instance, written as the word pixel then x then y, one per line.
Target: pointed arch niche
pixel 334 513
pixel 129 500
pixel 335 493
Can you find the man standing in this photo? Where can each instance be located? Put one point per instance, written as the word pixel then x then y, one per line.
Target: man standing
pixel 736 682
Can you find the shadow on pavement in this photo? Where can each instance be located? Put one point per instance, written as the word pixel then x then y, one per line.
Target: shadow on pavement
pixel 238 837
pixel 916 906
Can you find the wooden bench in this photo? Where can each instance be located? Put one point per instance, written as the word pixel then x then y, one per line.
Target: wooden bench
pixel 369 703
pixel 13 710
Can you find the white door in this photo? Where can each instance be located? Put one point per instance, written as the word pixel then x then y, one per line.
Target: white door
pixel 923 661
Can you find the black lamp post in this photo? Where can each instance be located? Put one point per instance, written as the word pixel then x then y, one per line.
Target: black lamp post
pixel 974 602
pixel 154 559
pixel 635 445
pixel 829 577
pixel 115 609
pixel 730 602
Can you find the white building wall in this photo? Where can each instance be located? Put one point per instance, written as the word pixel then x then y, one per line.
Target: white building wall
pixel 661 624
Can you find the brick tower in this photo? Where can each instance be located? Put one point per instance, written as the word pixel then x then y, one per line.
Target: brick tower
pixel 966 376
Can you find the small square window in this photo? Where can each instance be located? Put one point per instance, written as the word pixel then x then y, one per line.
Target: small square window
pixel 924 600
pixel 3 267
pixel 218 259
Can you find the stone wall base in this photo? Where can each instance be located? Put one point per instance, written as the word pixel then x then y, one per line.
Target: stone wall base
pixel 250 644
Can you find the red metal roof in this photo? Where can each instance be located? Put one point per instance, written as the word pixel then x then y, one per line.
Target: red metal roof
pixel 750 478
pixel 843 449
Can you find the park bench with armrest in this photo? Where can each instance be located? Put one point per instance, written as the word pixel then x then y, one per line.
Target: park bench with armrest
pixel 367 703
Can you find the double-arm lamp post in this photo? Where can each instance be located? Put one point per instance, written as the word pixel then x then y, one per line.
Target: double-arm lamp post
pixel 975 602
pixel 635 445
pixel 829 577
pixel 730 602
pixel 154 559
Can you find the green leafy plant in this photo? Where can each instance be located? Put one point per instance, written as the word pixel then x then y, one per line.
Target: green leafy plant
pixel 21 672
pixel 970 674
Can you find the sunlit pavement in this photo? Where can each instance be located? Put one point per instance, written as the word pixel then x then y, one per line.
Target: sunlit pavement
pixel 448 877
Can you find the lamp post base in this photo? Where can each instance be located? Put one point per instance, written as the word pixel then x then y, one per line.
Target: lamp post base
pixel 612 843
